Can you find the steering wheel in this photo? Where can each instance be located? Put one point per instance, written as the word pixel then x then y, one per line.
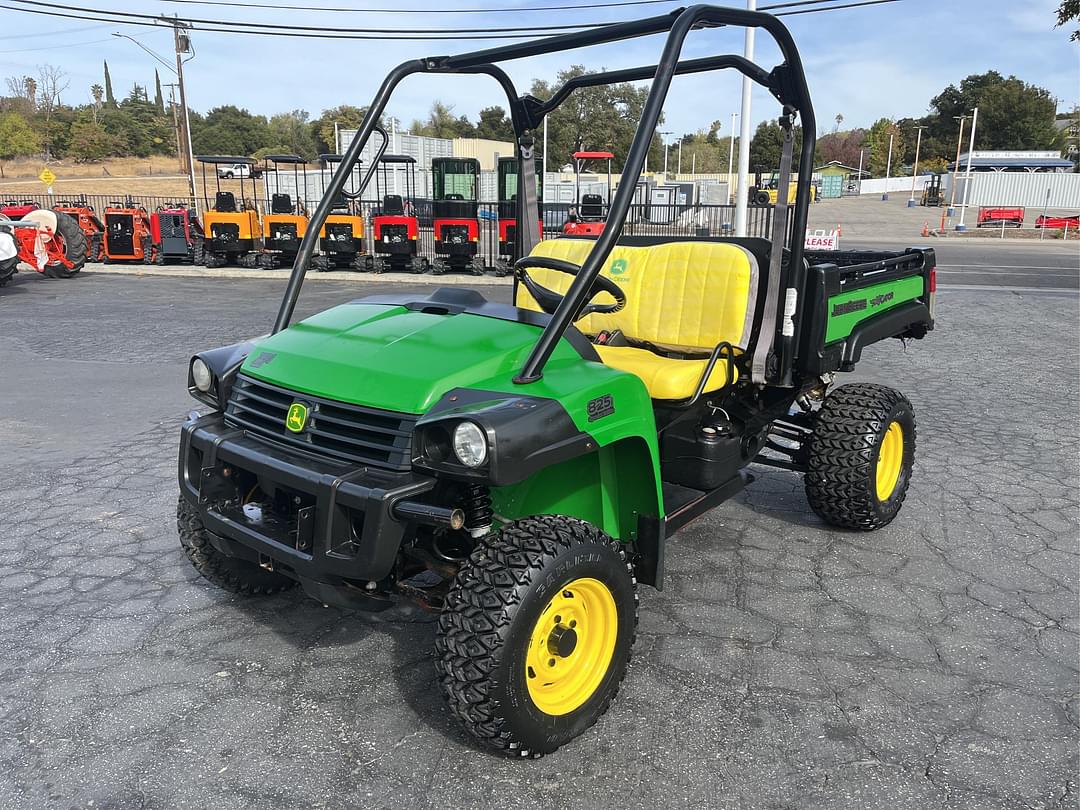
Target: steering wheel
pixel 549 300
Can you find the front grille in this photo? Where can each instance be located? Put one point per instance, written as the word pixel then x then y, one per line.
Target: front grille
pixel 335 429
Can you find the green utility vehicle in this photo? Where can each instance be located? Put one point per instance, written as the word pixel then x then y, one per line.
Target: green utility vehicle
pixel 519 468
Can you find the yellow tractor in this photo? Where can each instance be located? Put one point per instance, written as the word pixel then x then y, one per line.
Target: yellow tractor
pixel 232 228
pixel 341 238
pixel 286 223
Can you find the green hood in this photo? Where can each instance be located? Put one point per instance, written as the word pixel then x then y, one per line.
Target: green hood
pixel 389 357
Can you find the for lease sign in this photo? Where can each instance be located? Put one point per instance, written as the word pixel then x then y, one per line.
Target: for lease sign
pixel 822 240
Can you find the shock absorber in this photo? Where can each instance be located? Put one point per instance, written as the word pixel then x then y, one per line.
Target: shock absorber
pixel 478 512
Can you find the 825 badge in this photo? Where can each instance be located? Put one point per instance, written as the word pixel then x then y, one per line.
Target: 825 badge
pixel 600 407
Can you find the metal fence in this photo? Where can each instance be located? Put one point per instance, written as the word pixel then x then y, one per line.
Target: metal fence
pixel 643 220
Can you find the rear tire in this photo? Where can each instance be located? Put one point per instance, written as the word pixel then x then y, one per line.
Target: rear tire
pixel 228 573
pixel 536 634
pixel 861 455
pixel 74 244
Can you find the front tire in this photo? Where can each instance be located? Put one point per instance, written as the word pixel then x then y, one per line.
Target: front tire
pixel 861 455
pixel 72 241
pixel 536 634
pixel 228 573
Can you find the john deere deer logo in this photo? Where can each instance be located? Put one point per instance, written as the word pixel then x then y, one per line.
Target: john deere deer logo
pixel 296 418
pixel 619 266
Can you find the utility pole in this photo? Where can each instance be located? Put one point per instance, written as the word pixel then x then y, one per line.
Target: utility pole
pixel 915 168
pixel 731 160
pixel 956 165
pixel 967 179
pixel 743 198
pixel 182 41
pixel 888 169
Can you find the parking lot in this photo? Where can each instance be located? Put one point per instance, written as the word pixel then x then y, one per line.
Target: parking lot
pixel 785 665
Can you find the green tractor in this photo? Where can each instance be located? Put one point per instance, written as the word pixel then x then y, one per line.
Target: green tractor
pixel 519 468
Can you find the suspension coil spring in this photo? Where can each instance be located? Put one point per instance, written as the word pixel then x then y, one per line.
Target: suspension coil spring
pixel 478 511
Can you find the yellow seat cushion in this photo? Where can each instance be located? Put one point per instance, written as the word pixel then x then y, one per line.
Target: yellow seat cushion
pixel 666 377
pixel 680 296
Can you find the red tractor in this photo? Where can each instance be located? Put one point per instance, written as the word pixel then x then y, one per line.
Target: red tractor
pixel 176 235
pixel 127 233
pixel 456 212
pixel 395 225
pixel 998 217
pixel 587 218
pixel 83 213
pixel 51 243
pixel 17 210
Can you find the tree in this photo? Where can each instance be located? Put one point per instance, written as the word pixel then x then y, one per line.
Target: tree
pixel 842 146
pixel 1069 11
pixel 229 130
pixel 839 121
pixel 17 138
pixel 345 116
pixel 494 124
pixel 90 141
pixel 878 141
pixel 23 98
pixel 159 100
pixel 767 146
pixel 601 118
pixel 110 99
pixel 52 81
pixel 441 123
pixel 291 133
pixel 97 93
pixel 1012 115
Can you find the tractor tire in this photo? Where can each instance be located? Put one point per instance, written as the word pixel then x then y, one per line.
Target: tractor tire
pixel 73 241
pixel 861 454
pixel 197 252
pixel 96 249
pixel 529 598
pixel 761 198
pixel 228 573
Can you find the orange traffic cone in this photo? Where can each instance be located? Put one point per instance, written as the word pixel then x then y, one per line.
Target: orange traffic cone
pixel 926 229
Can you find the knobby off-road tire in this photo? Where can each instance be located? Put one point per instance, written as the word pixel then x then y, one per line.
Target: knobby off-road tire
pixel 549 586
pixel 861 455
pixel 75 247
pixel 229 573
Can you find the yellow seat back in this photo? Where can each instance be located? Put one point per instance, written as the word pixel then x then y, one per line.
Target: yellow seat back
pixel 685 296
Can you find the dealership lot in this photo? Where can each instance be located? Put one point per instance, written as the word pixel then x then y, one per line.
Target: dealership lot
pixel 786 664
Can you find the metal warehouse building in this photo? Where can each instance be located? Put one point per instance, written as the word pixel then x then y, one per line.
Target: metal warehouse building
pixel 1014 162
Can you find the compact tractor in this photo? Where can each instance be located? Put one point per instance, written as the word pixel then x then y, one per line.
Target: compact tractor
pixel 341 238
pixel 286 223
pixel 50 242
pixel 588 215
pixel 92 227
pixel 177 234
pixel 231 228
pixel 507 177
pixel 519 469
pixel 127 233
pixel 395 226
pixel 456 189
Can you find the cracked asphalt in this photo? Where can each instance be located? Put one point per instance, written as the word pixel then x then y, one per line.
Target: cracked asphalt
pixel 785 665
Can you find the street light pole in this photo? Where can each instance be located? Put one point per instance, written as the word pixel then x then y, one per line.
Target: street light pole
pixel 915 168
pixel 888 169
pixel 956 165
pixel 663 140
pixel 679 169
pixel 960 227
pixel 743 198
pixel 731 160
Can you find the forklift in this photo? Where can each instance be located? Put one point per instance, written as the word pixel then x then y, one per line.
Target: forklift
pixel 932 196
pixel 588 216
pixel 508 193
pixel 177 234
pixel 395 226
pixel 456 212
pixel 127 233
pixel 341 239
pixel 286 223
pixel 232 230
pixel 92 227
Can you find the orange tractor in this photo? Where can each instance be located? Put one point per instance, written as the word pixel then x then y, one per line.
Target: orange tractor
pixel 49 242
pixel 94 231
pixel 127 233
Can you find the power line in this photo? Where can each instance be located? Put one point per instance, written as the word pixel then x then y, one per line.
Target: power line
pixel 80 30
pixel 54 46
pixel 314 32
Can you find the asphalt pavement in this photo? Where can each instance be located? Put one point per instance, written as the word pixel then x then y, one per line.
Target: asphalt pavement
pixel 786 664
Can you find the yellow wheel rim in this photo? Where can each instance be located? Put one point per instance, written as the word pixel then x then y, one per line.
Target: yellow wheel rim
pixel 890 460
pixel 571 646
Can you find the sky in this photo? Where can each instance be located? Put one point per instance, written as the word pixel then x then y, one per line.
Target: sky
pixel 863 63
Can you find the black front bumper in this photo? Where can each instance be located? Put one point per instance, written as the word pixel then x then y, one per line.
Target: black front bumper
pixel 340 529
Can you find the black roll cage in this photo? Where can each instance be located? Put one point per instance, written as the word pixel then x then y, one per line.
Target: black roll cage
pixel 786 82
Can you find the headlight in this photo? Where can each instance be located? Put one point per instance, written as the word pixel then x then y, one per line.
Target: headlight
pixel 470 444
pixel 200 373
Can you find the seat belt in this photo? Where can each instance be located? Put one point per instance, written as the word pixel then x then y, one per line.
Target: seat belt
pixel 767 334
pixel 528 231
